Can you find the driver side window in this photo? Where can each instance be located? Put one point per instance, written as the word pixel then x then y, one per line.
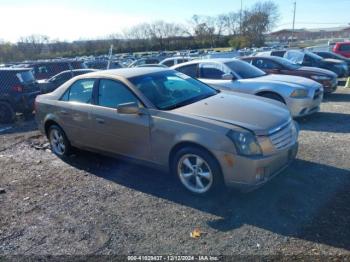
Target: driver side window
pixel 112 93
pixel 211 71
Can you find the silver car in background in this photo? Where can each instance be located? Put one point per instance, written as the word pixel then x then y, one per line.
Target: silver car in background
pixel 171 61
pixel 204 136
pixel 301 95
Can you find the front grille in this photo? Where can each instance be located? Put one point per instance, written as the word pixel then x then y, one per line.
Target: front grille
pixel 283 138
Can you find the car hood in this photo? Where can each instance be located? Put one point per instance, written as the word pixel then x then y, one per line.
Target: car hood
pixel 294 81
pixel 317 71
pixel 257 114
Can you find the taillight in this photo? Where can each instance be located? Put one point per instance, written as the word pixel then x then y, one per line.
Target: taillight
pixel 17 88
pixel 36 105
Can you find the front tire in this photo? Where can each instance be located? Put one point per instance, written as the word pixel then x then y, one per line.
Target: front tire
pixel 60 145
pixel 197 170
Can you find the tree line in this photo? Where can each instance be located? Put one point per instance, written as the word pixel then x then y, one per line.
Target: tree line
pixel 245 28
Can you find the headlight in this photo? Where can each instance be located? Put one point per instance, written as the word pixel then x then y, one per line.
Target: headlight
pixel 245 143
pixel 299 93
pixel 320 78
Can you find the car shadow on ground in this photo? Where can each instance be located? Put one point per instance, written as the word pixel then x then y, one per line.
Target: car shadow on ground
pixel 299 203
pixel 337 97
pixel 22 125
pixel 336 122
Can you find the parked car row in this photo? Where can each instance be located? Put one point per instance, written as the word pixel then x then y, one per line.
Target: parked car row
pixel 327 71
pixel 301 96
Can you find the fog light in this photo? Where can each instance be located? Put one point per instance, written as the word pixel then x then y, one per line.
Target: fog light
pixel 260 174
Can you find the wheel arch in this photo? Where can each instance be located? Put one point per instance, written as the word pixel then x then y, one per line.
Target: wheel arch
pixel 184 144
pixel 48 123
pixel 264 92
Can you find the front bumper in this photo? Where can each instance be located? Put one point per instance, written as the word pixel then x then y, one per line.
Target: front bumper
pixel 330 86
pixel 247 174
pixel 300 107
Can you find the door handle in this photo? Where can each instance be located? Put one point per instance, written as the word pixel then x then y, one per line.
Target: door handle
pixel 63 112
pixel 100 120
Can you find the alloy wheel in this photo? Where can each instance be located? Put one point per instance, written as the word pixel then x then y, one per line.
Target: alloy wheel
pixel 57 142
pixel 195 173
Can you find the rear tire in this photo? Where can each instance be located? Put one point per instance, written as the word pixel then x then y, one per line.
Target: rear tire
pixel 197 170
pixel 7 114
pixel 273 96
pixel 60 145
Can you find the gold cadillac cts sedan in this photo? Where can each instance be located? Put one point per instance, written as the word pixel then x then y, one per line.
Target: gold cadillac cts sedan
pixel 206 137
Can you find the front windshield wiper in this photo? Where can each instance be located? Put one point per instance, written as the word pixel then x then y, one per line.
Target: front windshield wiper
pixel 189 101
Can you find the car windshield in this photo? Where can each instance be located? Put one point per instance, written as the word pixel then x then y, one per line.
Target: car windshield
pixel 245 70
pixel 169 90
pixel 285 62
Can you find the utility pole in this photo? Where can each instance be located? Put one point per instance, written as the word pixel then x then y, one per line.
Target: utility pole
pixel 295 8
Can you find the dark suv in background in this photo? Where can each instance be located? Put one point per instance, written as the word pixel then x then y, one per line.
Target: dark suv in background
pixel 18 90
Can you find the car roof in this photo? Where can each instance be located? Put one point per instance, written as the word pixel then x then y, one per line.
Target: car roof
pixel 210 60
pixel 176 57
pixel 80 70
pixel 127 72
pixel 15 69
pixel 274 58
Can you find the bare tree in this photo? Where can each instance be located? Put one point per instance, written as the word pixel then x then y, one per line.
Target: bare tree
pixel 258 20
pixel 231 23
pixel 203 29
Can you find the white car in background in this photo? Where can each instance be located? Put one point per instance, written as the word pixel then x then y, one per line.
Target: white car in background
pixel 171 61
pixel 301 95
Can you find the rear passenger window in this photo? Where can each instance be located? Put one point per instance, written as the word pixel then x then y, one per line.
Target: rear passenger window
pixel 190 70
pixel 112 93
pixel 80 91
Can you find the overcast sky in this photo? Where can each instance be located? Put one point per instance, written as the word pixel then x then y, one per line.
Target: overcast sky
pixel 91 19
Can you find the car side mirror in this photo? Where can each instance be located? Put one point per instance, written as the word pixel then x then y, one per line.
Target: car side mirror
pixel 129 109
pixel 227 77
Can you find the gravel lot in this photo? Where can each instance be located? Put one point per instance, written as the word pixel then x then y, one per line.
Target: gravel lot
pixel 90 204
